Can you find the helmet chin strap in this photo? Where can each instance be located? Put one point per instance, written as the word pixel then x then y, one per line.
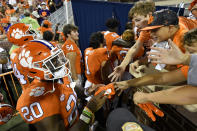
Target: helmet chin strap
pixel 51 91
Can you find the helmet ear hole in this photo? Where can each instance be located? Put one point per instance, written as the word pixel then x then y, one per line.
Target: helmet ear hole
pixel 26 39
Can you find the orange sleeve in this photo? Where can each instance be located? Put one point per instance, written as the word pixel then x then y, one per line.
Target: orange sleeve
pixel 116 50
pixel 144 36
pixel 150 19
pixel 178 39
pixel 110 38
pixel 184 70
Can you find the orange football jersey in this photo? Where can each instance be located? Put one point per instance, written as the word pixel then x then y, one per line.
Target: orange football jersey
pixel 184 26
pixel 70 46
pixel 41 100
pixel 18 70
pixel 93 61
pixel 120 52
pixel 109 38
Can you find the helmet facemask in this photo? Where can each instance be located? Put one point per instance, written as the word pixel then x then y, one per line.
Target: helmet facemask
pixel 55 66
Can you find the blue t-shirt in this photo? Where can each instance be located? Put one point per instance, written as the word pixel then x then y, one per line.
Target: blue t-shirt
pixel 44 13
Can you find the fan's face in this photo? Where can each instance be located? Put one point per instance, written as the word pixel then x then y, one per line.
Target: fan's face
pixel 140 21
pixel 160 34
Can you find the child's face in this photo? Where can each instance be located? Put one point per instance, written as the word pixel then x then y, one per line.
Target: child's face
pixel 43 6
pixel 140 21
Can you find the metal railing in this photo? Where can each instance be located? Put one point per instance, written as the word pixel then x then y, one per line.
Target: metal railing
pixel 8 88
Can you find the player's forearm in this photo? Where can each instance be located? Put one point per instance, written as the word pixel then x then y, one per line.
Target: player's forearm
pixel 74 73
pixel 72 58
pixel 179 95
pixel 73 70
pixel 131 53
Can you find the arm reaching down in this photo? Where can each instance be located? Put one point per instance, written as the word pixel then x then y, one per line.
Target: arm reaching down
pixel 72 58
pixel 163 78
pixel 119 70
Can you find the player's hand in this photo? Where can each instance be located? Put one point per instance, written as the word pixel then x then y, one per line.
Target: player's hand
pixel 96 102
pixel 118 71
pixel 91 90
pixel 140 98
pixel 171 56
pixel 120 86
pixel 78 82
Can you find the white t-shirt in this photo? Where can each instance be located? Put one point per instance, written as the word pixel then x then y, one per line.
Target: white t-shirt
pixel 192 73
pixel 12 2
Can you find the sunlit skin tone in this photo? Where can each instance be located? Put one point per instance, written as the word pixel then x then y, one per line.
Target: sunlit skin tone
pixel 73 36
pixel 178 95
pixel 140 21
pixel 163 33
pixel 159 36
pixel 194 12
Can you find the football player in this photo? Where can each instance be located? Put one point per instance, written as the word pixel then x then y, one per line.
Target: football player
pixel 72 52
pixel 95 58
pixel 111 37
pixel 51 103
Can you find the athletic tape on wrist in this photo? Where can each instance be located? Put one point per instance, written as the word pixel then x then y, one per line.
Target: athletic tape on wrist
pixel 84 119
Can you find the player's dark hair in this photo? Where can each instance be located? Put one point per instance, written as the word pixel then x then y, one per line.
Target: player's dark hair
pixel 48 35
pixel 68 28
pixel 112 23
pixel 96 39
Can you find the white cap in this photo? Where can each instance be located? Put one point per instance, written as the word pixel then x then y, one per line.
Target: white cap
pixel 35 14
pixel 43 3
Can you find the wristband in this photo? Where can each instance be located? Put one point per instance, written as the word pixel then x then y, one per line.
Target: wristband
pixel 87 113
pixel 88 110
pixel 84 119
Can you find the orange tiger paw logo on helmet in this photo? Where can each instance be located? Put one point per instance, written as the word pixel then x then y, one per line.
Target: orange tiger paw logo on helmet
pixel 25 59
pixel 17 33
